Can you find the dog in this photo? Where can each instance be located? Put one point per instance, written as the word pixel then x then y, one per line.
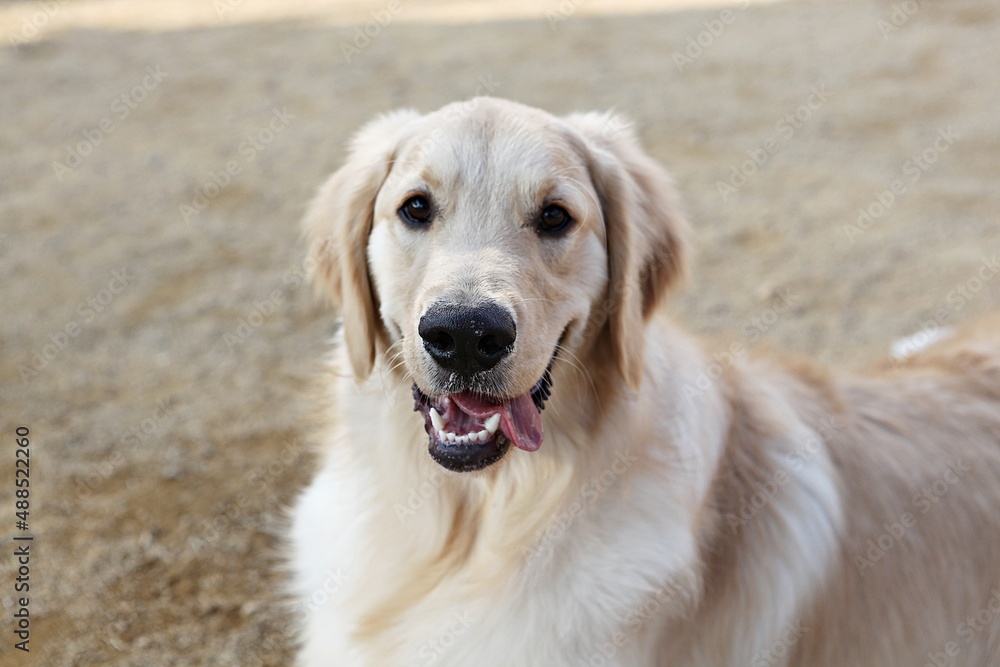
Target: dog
pixel 523 462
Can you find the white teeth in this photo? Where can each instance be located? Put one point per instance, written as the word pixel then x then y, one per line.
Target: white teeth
pixel 490 426
pixel 492 423
pixel 478 436
pixel 437 421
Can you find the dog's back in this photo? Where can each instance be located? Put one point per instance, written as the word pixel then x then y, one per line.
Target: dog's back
pixel 914 453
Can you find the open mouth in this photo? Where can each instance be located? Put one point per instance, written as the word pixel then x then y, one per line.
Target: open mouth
pixel 470 432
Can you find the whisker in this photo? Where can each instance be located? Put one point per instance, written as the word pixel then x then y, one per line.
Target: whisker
pixel 393 361
pixel 577 364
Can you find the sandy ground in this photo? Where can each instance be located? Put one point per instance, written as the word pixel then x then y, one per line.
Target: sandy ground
pixel 158 354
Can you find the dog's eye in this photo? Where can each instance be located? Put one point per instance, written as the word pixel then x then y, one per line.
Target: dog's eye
pixel 416 211
pixel 554 219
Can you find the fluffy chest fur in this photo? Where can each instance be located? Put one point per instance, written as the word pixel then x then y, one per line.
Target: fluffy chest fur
pixel 580 553
pixel 442 570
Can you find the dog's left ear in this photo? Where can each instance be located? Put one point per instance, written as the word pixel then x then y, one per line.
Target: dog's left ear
pixel 337 226
pixel 646 234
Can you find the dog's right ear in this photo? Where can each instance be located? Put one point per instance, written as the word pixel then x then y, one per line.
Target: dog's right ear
pixel 337 226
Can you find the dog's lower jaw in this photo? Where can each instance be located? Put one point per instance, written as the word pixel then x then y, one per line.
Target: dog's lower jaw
pixel 471 457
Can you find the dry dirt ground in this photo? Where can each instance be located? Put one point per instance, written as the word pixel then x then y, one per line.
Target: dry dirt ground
pixel 158 353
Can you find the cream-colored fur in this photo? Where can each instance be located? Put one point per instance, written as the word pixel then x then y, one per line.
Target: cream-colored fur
pixel 675 515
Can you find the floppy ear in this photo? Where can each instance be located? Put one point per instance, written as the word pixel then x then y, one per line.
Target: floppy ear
pixel 337 226
pixel 646 234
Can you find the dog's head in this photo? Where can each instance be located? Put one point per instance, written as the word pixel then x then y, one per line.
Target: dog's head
pixel 471 248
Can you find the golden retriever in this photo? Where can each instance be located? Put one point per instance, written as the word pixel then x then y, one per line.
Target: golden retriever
pixel 526 465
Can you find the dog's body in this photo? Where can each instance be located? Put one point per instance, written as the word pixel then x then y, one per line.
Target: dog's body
pixel 763 516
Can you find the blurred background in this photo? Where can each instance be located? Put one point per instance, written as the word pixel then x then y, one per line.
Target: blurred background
pixel 839 163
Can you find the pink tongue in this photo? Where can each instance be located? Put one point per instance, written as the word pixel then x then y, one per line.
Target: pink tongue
pixel 519 418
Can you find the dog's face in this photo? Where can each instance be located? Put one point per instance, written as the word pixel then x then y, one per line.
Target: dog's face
pixel 475 246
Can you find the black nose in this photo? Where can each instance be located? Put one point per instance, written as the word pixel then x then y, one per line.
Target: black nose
pixel 465 339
